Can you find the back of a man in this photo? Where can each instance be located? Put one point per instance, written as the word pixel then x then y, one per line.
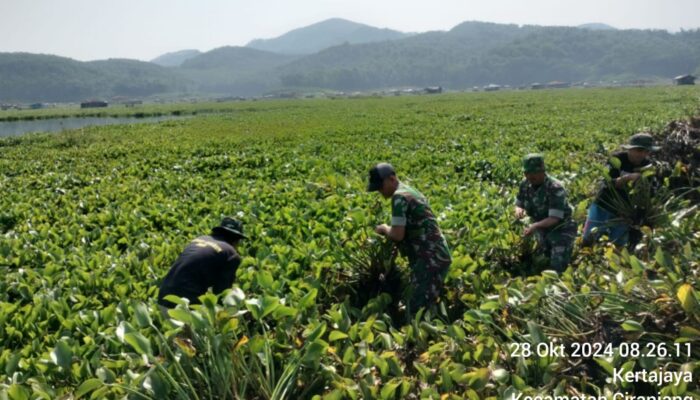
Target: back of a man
pixel 207 262
pixel 423 239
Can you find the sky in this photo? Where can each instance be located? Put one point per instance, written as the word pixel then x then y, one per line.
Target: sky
pixel 144 29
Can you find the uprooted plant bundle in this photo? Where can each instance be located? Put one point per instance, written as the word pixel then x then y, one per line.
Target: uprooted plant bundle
pixel 679 157
pixel 369 271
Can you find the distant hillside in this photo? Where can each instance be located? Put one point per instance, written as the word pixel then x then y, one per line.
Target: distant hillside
pixel 35 77
pixel 426 59
pixel 470 54
pixel 477 53
pixel 175 59
pixel 596 26
pixel 325 34
pixel 235 70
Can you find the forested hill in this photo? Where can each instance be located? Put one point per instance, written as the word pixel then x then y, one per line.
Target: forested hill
pixel 470 54
pixel 322 35
pixel 475 53
pixel 175 59
pixel 241 71
pixel 37 77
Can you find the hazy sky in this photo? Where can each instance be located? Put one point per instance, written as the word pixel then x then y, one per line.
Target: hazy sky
pixel 144 29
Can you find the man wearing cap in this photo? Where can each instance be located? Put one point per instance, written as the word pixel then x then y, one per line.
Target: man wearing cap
pixel 543 199
pixel 207 262
pixel 624 169
pixel 415 229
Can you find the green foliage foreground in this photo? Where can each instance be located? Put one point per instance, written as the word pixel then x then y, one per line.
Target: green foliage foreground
pixel 90 220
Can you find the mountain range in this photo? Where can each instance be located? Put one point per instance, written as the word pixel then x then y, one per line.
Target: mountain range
pixel 343 55
pixel 322 35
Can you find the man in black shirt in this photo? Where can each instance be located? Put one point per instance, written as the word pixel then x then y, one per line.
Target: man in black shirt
pixel 207 262
pixel 624 170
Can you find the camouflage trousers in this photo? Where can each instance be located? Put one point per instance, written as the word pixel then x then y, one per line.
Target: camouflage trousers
pixel 557 244
pixel 426 283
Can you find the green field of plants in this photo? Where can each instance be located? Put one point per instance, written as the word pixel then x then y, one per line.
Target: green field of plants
pixel 91 220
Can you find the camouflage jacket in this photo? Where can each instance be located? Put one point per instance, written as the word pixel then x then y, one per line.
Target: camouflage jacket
pixel 423 239
pixel 546 200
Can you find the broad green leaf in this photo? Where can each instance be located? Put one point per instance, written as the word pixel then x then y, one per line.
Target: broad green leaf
pixel 62 355
pixel 143 316
pixel 637 265
pixel 176 299
pixel 389 389
pixel 336 335
pixel 139 342
pixel 500 375
pixel 605 364
pixel 490 305
pixel 284 311
pixel 87 387
pixel 234 297
pixel 337 394
pixel 180 315
pixel 479 378
pixel 269 304
pixel 314 351
pixel 686 295
pixel 155 384
pixel 308 299
pixel 18 392
pixel 265 279
pixel 12 363
pixel 124 328
pixel 632 326
pixel 536 334
pixel 690 332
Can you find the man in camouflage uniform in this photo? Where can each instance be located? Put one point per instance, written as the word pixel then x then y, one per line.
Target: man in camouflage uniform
pixel 415 229
pixel 543 199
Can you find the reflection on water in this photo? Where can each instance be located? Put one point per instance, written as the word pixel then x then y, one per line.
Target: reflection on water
pixel 14 128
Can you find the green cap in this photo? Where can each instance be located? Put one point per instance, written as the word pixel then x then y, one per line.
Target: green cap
pixel 533 163
pixel 230 226
pixel 641 141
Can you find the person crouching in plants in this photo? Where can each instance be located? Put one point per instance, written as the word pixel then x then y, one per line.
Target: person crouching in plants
pixel 543 199
pixel 416 231
pixel 209 261
pixel 611 212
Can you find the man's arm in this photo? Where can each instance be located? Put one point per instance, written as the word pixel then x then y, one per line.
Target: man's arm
pixel 624 178
pixel 395 232
pixel 556 201
pixel 617 175
pixel 226 273
pixel 542 224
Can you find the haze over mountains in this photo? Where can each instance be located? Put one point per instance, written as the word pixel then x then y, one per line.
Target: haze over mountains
pixel 175 59
pixel 325 34
pixel 342 55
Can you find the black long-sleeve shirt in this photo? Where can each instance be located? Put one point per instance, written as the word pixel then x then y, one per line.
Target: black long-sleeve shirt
pixel 208 261
pixel 606 194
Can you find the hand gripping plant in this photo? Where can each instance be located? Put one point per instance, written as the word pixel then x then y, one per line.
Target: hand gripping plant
pixel 369 269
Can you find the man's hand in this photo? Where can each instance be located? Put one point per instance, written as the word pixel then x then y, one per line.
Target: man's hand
pixel 382 229
pixel 529 230
pixel 519 213
pixel 619 182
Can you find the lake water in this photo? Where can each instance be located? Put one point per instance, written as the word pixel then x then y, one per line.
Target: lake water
pixel 14 128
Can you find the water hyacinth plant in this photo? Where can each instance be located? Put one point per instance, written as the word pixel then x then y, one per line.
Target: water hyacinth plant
pixel 91 220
